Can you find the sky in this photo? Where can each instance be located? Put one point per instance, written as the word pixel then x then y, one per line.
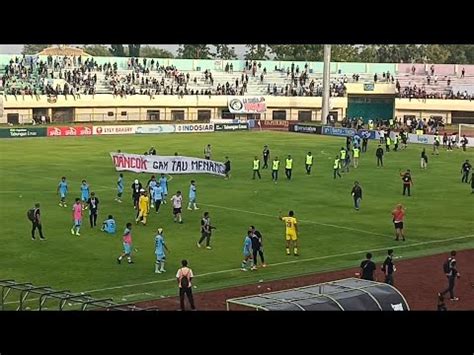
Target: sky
pixel 17 48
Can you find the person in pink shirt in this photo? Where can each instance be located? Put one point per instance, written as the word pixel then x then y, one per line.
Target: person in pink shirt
pixel 76 217
pixel 127 244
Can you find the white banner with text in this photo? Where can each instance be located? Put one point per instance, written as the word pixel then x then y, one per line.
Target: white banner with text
pixel 156 164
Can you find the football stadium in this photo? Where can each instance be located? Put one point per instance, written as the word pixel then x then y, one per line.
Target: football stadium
pixel 199 180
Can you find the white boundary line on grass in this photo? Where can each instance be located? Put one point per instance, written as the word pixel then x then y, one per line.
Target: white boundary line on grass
pixel 276 264
pixel 301 220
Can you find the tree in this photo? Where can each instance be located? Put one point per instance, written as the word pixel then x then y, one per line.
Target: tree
pixel 154 52
pixel 344 53
pixel 117 50
pixel 97 50
pixel 134 50
pixel 300 52
pixel 34 48
pixel 435 53
pixel 256 52
pixel 224 52
pixel 194 51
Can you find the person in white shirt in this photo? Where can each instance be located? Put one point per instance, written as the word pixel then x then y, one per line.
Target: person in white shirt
pixel 177 201
pixel 184 277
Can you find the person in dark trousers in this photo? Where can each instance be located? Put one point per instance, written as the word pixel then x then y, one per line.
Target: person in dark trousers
pixel 368 268
pixel 288 167
pixel 337 166
pixel 227 168
pixel 206 230
pixel 407 181
pixel 472 182
pixel 424 159
pixel 365 141
pixel 465 169
pixel 185 277
pixel 379 155
pixel 136 187
pixel 257 247
pixel 389 268
pixel 308 163
pixel 452 273
pixel 256 168
pixel 356 195
pixel 36 223
pixel 93 203
pixel 464 142
pixel 266 156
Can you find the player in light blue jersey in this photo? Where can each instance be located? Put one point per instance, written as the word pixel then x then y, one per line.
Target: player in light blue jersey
pixel 192 196
pixel 62 191
pixel 85 194
pixel 247 251
pixel 164 185
pixel 160 248
pixel 157 196
pixel 119 188
pixel 150 185
pixel 109 226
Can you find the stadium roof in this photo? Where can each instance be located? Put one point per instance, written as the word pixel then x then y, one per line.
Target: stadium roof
pixel 63 50
pixel 350 294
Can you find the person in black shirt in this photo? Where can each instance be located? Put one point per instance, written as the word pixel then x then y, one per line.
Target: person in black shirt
pixel 407 181
pixel 348 143
pixel 368 268
pixel 152 151
pixel 36 223
pixel 206 229
pixel 389 268
pixel 257 247
pixel 451 275
pixel 424 159
pixel 464 142
pixel 136 187
pixel 365 140
pixel 465 169
pixel 356 194
pixel 227 168
pixel 379 155
pixel 93 203
pixel 266 155
pixel 472 182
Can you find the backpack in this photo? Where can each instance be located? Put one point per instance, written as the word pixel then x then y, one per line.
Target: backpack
pixel 31 214
pixel 184 280
pixel 447 266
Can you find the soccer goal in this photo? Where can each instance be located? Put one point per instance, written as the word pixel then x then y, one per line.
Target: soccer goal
pixel 466 129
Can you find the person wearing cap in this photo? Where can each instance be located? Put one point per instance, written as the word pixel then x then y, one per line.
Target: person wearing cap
pixel 143 207
pixel 136 187
pixel 160 248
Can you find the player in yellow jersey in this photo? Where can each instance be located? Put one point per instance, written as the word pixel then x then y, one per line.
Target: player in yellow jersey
pixel 143 207
pixel 291 233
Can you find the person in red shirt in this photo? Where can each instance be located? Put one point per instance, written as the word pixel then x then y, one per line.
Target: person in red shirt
pixel 398 215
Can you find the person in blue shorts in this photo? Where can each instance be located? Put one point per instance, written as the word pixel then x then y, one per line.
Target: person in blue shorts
pixel 119 188
pixel 164 185
pixel 109 226
pixel 85 194
pixel 247 251
pixel 62 191
pixel 160 248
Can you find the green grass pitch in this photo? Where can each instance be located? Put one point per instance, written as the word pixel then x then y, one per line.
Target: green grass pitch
pixel 440 213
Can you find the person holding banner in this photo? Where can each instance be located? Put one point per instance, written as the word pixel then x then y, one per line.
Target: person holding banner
pixel 177 201
pixel 275 167
pixel 192 196
pixel 256 168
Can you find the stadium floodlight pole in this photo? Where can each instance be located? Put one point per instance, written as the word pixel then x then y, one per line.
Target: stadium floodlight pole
pixel 326 82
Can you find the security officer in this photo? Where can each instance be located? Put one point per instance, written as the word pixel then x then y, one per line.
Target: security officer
pixel 275 167
pixel 266 155
pixel 389 268
pixel 337 166
pixel 465 169
pixel 379 155
pixel 256 168
pixel 288 167
pixel 309 163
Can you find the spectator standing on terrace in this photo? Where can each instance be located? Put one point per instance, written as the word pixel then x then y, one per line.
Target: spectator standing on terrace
pixel 462 72
pixel 184 277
